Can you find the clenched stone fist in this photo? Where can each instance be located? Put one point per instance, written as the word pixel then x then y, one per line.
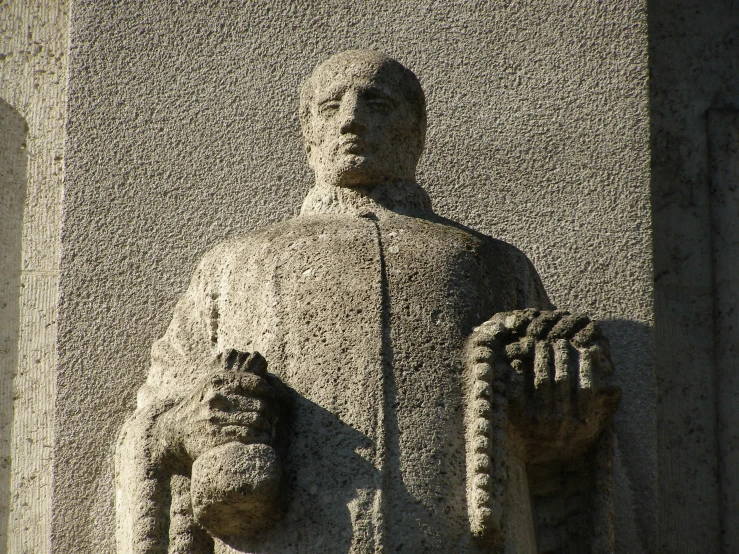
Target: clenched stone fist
pixel 551 371
pixel 240 404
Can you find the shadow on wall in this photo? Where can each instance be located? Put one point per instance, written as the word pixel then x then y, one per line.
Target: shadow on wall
pixel 13 162
pixel 635 425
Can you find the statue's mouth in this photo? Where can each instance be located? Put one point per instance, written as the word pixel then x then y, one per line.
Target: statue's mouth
pixel 352 144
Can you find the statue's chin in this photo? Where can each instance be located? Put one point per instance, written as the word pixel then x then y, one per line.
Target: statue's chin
pixel 357 172
pixel 356 177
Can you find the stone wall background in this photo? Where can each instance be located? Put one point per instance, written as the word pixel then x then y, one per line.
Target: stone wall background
pixel 525 100
pixel 182 131
pixel 33 78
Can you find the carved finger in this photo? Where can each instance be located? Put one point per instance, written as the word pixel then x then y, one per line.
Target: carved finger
pixel 585 384
pixel 519 320
pixel 255 420
pixel 231 358
pixel 497 319
pixel 506 324
pixel 244 424
pixel 602 366
pixel 493 329
pixel 245 434
pixel 228 379
pixel 238 361
pixel 521 349
pixel 232 403
pixel 563 381
pixel 568 326
pixel 605 367
pixel 587 335
pixel 242 384
pixel 510 380
pixel 543 378
pixel 256 364
pixel 523 374
pixel 608 396
pixel 219 402
pixel 543 323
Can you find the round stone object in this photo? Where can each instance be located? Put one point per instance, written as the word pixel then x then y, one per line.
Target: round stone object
pixel 235 488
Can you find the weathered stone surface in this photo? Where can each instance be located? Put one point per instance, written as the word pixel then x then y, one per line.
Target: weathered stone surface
pixel 13 163
pixel 236 489
pixel 128 277
pixel 33 77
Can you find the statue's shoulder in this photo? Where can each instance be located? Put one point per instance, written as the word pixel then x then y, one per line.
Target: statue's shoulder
pixel 262 243
pixel 496 248
pixel 501 248
pixel 503 259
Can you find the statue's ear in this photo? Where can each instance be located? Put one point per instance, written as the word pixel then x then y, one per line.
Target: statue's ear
pixel 309 154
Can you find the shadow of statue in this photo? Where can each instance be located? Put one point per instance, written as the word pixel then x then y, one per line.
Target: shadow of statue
pixel 561 494
pixel 325 473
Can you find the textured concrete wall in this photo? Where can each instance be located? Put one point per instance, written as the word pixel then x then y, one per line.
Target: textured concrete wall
pixel 183 130
pixel 33 61
pixel 694 67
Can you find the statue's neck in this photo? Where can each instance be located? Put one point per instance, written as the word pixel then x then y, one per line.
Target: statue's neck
pixel 406 198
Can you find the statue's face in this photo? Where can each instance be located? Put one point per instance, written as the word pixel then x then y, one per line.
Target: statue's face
pixel 364 130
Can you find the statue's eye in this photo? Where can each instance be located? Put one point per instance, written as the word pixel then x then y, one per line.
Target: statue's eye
pixel 329 107
pixel 379 103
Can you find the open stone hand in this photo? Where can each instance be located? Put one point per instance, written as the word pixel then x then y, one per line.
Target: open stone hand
pixel 553 368
pixel 237 404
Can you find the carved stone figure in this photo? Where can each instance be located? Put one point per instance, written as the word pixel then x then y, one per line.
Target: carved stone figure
pixel 416 391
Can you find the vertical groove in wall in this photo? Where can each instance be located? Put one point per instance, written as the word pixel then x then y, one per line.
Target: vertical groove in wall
pixel 33 78
pixel 13 162
pixel 723 148
pixel 688 490
pixel 32 438
pixel 694 56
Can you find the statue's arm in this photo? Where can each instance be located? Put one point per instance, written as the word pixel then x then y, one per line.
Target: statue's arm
pixel 143 477
pixel 200 402
pixel 142 486
pixel 538 384
pixel 189 347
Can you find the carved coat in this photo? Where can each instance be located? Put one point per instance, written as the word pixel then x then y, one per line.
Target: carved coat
pixel 363 311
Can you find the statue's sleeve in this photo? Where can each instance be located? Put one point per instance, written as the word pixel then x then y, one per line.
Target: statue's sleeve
pixel 189 347
pixel 529 288
pixel 185 352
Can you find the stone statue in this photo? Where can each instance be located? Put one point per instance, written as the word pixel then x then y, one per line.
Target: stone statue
pixel 368 376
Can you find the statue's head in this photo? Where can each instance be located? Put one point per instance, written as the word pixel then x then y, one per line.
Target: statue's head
pixel 363 116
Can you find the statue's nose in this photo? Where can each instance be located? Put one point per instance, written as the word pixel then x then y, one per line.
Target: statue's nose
pixel 352 120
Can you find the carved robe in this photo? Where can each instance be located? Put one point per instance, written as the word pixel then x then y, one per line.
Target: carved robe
pixel 362 307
